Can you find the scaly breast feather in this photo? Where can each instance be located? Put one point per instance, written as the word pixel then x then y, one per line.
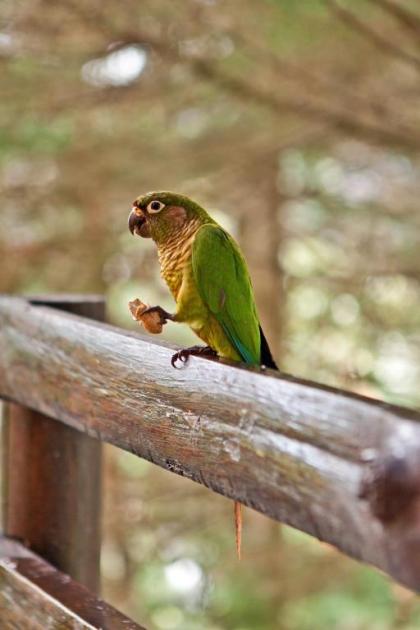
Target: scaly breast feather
pixel 174 255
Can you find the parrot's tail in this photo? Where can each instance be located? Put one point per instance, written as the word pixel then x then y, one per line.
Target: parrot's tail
pixel 266 357
pixel 238 527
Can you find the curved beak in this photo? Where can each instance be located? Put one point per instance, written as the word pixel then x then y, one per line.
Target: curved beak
pixel 135 220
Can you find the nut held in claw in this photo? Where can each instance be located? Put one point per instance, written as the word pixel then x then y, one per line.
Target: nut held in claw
pixel 150 321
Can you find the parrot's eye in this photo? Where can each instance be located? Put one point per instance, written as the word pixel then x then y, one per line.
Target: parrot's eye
pixel 155 206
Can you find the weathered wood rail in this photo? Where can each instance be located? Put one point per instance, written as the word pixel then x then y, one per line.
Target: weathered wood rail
pixel 341 467
pixel 34 594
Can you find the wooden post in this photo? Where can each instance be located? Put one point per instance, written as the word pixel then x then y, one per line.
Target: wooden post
pixel 52 478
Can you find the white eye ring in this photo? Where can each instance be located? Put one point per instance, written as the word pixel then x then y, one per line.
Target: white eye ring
pixel 155 206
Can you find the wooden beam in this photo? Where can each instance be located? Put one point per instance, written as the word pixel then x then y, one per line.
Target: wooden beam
pixel 33 594
pixel 52 478
pixel 341 467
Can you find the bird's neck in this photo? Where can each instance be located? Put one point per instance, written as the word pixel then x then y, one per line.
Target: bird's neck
pixel 175 251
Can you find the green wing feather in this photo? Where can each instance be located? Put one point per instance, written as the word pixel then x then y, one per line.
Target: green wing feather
pixel 224 285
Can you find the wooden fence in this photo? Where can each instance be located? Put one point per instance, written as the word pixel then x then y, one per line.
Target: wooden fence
pixel 341 467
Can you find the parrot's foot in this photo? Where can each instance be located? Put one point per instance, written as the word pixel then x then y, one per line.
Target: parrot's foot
pixel 198 351
pixel 164 315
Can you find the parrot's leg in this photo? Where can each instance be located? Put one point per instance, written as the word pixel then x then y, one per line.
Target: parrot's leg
pixel 164 315
pixel 198 351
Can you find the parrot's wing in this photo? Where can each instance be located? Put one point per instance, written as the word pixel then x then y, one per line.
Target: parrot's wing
pixel 224 285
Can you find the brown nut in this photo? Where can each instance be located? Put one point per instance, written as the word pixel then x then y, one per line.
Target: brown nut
pixel 152 321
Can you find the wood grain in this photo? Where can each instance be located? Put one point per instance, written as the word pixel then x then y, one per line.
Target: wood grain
pixel 52 479
pixel 338 466
pixel 36 596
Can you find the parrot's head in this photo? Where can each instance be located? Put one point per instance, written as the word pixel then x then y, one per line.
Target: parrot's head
pixel 160 215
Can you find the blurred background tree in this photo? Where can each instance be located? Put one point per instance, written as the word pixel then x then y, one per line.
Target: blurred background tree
pixel 297 124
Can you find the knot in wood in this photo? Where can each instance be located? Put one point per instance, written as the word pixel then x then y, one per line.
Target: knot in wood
pixel 391 485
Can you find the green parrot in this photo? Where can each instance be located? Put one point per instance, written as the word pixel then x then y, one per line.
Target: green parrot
pixel 207 276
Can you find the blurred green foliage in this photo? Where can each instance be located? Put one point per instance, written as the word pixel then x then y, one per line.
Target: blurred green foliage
pixel 299 130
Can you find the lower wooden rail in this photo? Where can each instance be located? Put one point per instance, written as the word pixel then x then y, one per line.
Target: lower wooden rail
pixel 35 595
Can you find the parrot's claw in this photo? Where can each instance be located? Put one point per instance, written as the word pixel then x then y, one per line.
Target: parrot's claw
pixel 198 351
pixel 164 315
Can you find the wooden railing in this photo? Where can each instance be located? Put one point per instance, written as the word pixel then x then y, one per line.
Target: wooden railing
pixel 341 467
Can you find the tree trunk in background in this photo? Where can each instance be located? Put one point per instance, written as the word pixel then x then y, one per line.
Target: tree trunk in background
pixel 260 237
